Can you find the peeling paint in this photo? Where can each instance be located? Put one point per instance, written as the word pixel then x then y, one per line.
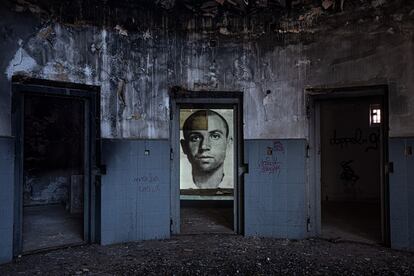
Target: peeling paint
pixel 121 30
pixel 146 35
pixel 377 3
pixel 136 62
pixel 22 63
pixel 303 62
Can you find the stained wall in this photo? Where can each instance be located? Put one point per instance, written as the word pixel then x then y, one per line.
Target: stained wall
pixel 136 55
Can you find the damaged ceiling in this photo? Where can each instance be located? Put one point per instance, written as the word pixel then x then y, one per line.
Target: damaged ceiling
pixel 280 16
pixel 208 8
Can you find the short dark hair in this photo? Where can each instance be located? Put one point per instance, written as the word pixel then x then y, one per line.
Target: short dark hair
pixel 204 113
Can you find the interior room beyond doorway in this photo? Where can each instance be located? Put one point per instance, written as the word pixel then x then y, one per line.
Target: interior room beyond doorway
pixel 53 182
pixel 351 149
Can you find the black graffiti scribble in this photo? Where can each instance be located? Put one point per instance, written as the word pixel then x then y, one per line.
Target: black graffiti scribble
pixel 372 140
pixel 348 173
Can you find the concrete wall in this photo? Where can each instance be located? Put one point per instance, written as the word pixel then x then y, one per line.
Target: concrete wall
pixel 402 193
pixel 275 189
pixel 135 192
pixel 6 198
pixel 136 53
pixel 350 151
pixel 137 57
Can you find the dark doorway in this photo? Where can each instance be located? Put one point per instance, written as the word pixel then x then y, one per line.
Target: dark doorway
pixel 57 157
pixel 53 171
pixel 351 148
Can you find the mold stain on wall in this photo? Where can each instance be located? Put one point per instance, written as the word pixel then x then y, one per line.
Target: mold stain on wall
pixel 136 52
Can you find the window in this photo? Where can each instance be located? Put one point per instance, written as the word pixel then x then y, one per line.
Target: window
pixel 374 115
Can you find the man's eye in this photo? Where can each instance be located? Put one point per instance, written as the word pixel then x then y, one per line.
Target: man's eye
pixel 215 136
pixel 195 138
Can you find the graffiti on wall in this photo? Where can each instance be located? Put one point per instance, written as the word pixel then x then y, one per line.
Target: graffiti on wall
pixel 269 164
pixel 370 140
pixel 349 176
pixel 148 183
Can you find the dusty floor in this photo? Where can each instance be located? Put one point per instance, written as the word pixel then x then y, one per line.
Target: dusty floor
pixel 217 254
pixel 206 220
pixel 49 226
pixel 355 221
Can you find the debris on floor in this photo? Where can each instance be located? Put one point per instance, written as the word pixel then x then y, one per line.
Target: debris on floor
pixel 217 255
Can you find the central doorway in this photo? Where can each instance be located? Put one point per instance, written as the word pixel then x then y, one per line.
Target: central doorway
pixel 206 171
pixel 206 148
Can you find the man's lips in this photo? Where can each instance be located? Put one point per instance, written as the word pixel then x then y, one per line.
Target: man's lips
pixel 204 157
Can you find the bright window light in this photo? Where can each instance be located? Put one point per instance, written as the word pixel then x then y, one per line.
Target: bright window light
pixel 375 115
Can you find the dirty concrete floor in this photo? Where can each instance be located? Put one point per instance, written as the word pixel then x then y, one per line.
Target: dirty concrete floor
pixel 50 226
pixel 206 220
pixel 354 221
pixel 217 255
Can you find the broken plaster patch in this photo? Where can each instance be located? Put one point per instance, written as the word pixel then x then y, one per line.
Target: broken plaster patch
pixel 303 62
pixel 21 62
pixel 224 31
pixel 377 3
pixel 146 35
pixel 88 72
pixel 121 30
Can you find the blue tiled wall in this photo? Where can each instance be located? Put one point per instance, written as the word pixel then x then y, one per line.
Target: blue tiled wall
pixel 135 195
pixel 6 198
pixel 275 188
pixel 402 194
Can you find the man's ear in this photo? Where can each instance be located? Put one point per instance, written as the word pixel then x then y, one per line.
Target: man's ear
pixel 184 146
pixel 230 141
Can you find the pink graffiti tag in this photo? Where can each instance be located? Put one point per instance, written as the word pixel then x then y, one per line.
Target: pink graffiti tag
pixel 278 146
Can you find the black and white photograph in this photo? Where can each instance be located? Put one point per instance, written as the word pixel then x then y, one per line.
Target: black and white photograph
pixel 206 158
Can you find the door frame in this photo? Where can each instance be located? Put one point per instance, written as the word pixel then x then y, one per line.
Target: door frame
pixel 90 95
pixel 213 99
pixel 313 98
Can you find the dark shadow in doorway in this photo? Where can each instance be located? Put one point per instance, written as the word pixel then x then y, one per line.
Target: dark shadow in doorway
pixel 352 221
pixel 200 217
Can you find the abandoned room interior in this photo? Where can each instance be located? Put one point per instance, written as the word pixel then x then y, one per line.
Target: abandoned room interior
pixel 127 120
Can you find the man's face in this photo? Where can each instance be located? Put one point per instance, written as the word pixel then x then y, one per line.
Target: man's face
pixel 206 142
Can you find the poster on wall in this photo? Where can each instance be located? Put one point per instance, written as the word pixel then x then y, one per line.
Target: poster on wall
pixel 206 156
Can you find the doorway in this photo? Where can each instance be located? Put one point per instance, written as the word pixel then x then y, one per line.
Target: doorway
pixel 351 130
pixel 55 201
pixel 52 171
pixel 206 183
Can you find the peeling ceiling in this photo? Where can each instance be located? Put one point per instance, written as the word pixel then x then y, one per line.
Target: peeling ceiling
pixel 287 16
pixel 212 8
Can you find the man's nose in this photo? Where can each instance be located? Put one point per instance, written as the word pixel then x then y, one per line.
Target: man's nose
pixel 205 144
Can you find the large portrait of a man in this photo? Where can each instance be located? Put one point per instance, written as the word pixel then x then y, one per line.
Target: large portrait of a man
pixel 206 160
